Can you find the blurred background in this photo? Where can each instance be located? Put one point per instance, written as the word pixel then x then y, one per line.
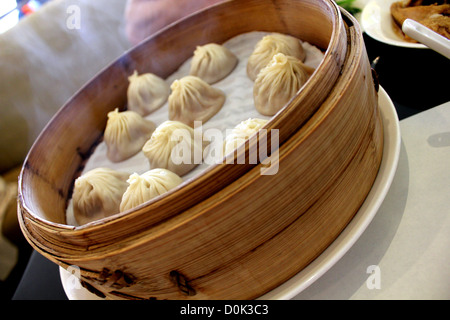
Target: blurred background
pixel 11 11
pixel 47 53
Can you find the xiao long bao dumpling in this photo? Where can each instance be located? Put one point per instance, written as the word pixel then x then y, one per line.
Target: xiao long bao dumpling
pixel 277 83
pixel 241 133
pixel 173 146
pixel 212 62
pixel 147 186
pixel 97 194
pixel 146 93
pixel 193 99
pixel 125 134
pixel 270 45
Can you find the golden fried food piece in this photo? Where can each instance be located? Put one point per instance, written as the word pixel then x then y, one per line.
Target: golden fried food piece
pixel 439 24
pixel 432 14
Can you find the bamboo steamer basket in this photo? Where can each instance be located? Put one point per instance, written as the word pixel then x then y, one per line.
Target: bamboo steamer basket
pixel 230 233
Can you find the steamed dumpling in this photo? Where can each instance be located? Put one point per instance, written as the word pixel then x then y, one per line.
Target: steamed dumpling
pixel 125 134
pixel 147 186
pixel 212 62
pixel 172 146
pixel 193 99
pixel 146 93
pixel 269 46
pixel 97 194
pixel 242 132
pixel 277 83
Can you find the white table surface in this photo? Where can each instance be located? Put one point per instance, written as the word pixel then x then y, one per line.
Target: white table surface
pixel 408 240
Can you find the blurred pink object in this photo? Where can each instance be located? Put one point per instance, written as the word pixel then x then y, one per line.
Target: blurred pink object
pixel 145 17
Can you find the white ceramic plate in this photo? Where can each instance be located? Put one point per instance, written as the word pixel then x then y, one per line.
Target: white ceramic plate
pixel 376 21
pixel 346 239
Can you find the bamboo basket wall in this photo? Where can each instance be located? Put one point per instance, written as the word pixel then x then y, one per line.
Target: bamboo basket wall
pixel 205 239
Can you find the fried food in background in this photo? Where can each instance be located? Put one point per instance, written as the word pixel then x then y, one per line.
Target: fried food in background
pixel 432 14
